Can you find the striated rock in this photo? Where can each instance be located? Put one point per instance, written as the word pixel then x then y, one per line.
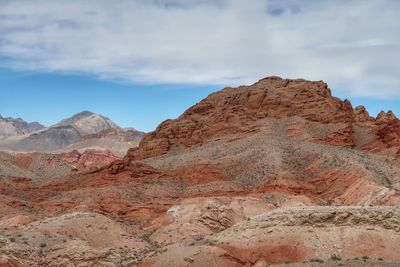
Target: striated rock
pixel 150 147
pixel 137 169
pixel 296 235
pixel 279 172
pixel 89 158
pixel 362 115
pixel 239 110
pixel 196 217
pixel 385 117
pixel 387 132
pixel 343 137
pixel 7 262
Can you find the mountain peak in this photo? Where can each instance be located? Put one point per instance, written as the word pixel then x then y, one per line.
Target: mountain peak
pixel 82 130
pixel 241 110
pixel 87 122
pixel 15 127
pixel 384 117
pixel 79 116
pixel 83 114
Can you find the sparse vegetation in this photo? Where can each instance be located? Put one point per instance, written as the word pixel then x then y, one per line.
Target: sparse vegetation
pixel 317 260
pixel 253 191
pixel 335 257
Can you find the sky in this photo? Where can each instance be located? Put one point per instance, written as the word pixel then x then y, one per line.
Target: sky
pixel 142 61
pixel 49 98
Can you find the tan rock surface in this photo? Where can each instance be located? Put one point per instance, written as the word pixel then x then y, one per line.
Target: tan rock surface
pixel 298 235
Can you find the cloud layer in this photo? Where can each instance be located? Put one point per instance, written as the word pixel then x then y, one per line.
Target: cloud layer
pixel 353 45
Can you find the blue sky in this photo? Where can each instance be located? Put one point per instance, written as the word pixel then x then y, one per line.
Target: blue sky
pixel 142 61
pixel 48 98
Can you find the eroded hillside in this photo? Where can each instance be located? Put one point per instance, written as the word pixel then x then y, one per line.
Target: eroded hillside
pixel 279 172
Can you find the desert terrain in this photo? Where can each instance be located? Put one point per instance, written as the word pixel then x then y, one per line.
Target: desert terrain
pixel 278 173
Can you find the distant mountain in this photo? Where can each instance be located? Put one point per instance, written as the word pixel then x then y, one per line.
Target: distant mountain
pixel 14 127
pixel 82 131
pixel 117 140
pixel 87 122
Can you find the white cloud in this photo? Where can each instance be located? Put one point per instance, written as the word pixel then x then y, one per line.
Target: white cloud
pixel 353 45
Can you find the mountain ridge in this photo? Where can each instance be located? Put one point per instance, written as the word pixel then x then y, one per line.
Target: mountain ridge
pixel 279 172
pixel 236 110
pixel 72 130
pixel 11 127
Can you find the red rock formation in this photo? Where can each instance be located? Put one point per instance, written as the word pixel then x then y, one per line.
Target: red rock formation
pixel 5 262
pixel 238 110
pixel 362 115
pixel 385 117
pixel 89 158
pixel 275 144
pixel 343 137
pixel 387 131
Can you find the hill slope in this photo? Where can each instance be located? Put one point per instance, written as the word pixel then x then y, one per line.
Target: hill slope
pixel 241 111
pixel 279 172
pixel 74 133
pixel 14 127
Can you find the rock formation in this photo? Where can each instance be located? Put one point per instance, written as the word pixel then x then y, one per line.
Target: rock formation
pixel 279 172
pixel 10 127
pixel 241 111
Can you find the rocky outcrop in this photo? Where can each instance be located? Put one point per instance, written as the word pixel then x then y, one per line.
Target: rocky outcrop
pixel 344 137
pixel 311 235
pixel 89 158
pixel 384 217
pixel 137 169
pixel 10 127
pixel 387 132
pixel 362 115
pixel 239 110
pixel 385 117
